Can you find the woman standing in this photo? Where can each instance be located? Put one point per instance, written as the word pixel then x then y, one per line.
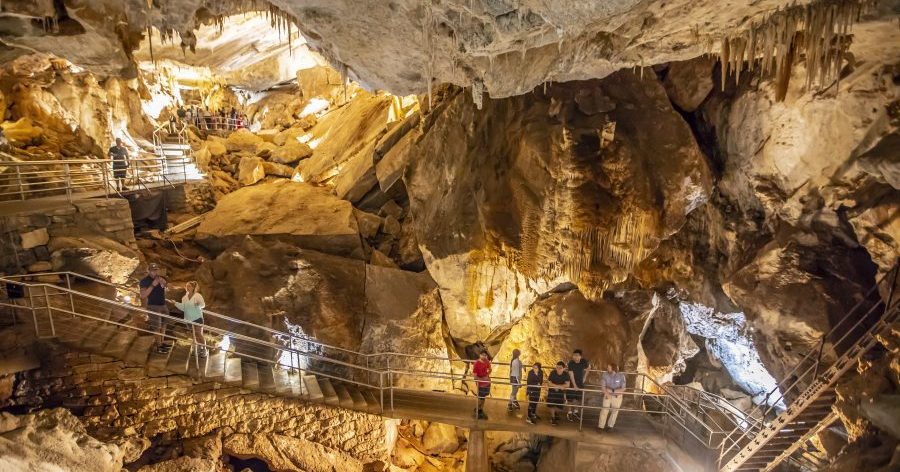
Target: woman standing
pixel 192 305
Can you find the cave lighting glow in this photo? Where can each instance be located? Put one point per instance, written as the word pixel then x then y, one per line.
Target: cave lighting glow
pixel 299 342
pixel 728 341
pixel 225 343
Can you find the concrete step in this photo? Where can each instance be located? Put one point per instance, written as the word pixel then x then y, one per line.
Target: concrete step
pixel 313 389
pixel 372 401
pixel 282 379
pixel 344 398
pixel 96 340
pixel 328 393
pixel 233 370
pixel 179 359
pixel 139 350
pixel 250 374
pixel 266 378
pixel 158 361
pixel 213 367
pixel 359 401
pixel 118 346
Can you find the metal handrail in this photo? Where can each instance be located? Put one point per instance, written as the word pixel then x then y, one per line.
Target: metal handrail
pixel 794 379
pixel 670 406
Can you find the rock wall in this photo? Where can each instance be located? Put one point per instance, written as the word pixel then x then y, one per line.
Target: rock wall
pixel 576 183
pixel 120 402
pixel 95 237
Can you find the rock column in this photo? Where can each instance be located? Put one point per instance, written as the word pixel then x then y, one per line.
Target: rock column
pixel 476 455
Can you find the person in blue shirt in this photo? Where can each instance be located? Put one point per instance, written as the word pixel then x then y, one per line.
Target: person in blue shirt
pixel 613 384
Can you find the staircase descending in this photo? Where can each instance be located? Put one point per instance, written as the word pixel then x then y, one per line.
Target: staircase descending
pixel 174 151
pixel 808 390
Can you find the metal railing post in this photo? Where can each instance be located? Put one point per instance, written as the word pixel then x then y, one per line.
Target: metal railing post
pixel 49 313
pixel 819 358
pixel 37 331
pixel 68 173
pixel 381 390
pixel 71 298
pixel 19 181
pixel 390 375
pixel 581 412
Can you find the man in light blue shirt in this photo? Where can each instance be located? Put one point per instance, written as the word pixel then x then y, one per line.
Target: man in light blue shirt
pixel 613 384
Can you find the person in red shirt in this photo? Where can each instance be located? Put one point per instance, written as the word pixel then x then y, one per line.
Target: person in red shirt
pixel 482 372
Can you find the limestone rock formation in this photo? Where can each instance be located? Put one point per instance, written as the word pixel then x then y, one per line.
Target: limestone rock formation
pixel 526 177
pixel 284 453
pixel 53 439
pixel 302 214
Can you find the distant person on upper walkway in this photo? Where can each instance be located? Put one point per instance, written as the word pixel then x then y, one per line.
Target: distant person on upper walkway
pixel 119 155
pixel 613 384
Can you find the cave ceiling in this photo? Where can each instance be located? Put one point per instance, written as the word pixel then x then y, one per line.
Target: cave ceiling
pixel 504 47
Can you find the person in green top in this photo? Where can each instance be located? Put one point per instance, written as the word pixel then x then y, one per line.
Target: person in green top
pixel 192 305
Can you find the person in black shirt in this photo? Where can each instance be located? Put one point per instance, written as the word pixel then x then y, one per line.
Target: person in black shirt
pixel 577 367
pixel 533 391
pixel 119 156
pixel 153 298
pixel 559 382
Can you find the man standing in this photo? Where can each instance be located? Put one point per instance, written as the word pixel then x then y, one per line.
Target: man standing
pixel 515 379
pixel 482 372
pixel 153 298
pixel 119 156
pixel 559 382
pixel 613 384
pixel 533 391
pixel 577 367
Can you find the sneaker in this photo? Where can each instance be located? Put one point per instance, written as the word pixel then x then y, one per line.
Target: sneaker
pixel 516 405
pixel 510 408
pixel 202 352
pixel 571 416
pixel 482 416
pixel 529 420
pixel 553 421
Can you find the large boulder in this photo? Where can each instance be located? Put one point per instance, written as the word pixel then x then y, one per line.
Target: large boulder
pixel 688 83
pixel 251 170
pixel 440 438
pixel 305 215
pixel 535 192
pixel 289 153
pixel 95 256
pixel 286 453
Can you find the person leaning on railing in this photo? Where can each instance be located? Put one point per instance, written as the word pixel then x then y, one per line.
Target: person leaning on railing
pixel 533 391
pixel 558 381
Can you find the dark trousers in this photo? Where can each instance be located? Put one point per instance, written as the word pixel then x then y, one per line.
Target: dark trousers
pixel 533 399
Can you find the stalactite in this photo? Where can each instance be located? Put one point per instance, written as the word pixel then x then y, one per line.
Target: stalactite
pixel 818 31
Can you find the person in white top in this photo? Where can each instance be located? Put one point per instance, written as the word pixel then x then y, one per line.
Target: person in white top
pixel 515 379
pixel 192 305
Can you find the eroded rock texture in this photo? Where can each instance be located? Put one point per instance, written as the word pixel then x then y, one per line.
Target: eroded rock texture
pixel 577 184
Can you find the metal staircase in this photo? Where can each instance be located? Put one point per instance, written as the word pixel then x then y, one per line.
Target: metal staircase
pixel 808 389
pixel 173 149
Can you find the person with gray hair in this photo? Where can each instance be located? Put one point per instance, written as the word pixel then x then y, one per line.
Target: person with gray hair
pixel 613 384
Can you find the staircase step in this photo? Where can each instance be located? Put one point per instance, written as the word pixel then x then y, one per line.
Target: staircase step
pixel 283 385
pixel 157 361
pixel 313 389
pixel 233 370
pixel 98 339
pixel 266 378
pixel 359 401
pixel 139 350
pixel 328 393
pixel 118 346
pixel 250 374
pixel 344 399
pixel 75 331
pixel 372 400
pixel 213 367
pixel 179 359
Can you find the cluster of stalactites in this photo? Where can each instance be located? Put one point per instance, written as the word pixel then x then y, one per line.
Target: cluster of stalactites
pixel 819 30
pixel 279 19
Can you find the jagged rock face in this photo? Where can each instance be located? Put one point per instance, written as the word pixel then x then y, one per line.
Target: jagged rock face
pixel 53 440
pixel 509 47
pixel 338 301
pixel 578 184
